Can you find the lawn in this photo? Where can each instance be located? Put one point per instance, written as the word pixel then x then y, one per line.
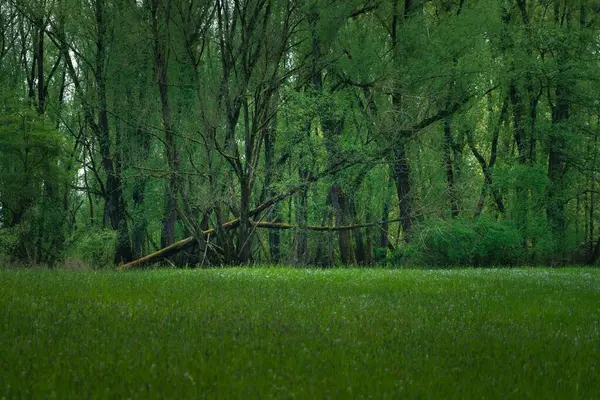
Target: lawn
pixel 300 333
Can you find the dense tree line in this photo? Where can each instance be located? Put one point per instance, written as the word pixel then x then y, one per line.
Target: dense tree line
pixel 299 131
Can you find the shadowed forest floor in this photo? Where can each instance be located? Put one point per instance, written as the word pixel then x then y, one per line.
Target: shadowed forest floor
pixel 300 333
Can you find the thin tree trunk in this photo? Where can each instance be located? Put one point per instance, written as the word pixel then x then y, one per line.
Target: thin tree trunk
pixel 140 222
pixel 332 128
pixel 452 195
pixel 399 158
pixel 114 209
pixel 360 248
pixel 383 235
pixel 244 233
pixel 41 106
pixel 557 162
pixel 557 168
pixel 520 139
pixel 593 196
pixel 270 135
pixel 401 172
pixel 339 203
pixel 486 168
pixel 301 208
pixel 161 65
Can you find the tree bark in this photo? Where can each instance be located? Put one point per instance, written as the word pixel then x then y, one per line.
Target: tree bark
pixel 557 167
pixel 401 172
pixel 140 222
pixel 270 136
pixel 448 164
pixel 487 168
pixel 161 65
pixel 332 128
pixel 399 159
pixel 41 106
pixel 114 208
pixel 339 203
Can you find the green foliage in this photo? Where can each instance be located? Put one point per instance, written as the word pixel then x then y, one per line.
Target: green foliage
pixel 95 247
pixel 8 243
pixel 30 150
pixel 483 242
pixel 542 248
pixel 310 85
pixel 514 175
pixel 33 176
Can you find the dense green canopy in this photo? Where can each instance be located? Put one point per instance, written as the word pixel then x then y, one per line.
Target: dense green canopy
pixel 419 131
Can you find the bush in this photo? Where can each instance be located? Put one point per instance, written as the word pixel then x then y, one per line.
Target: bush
pixel 482 242
pixel 8 243
pixel 95 247
pixel 499 243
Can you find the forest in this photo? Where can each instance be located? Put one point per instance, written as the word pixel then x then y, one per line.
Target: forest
pixel 299 132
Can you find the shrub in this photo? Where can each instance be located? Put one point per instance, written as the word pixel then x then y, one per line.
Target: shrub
pixel 498 242
pixel 95 247
pixel 482 242
pixel 8 243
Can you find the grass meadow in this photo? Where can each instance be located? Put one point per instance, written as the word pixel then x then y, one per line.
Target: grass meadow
pixel 239 333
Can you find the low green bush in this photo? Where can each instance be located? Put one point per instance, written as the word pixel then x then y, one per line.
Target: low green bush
pixel 95 247
pixel 480 242
pixel 8 243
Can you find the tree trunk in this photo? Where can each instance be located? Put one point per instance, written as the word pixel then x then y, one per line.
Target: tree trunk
pixel 245 232
pixel 486 168
pixel 41 106
pixel 273 215
pixel 399 161
pixel 452 195
pixel 161 64
pixel 301 207
pixel 520 139
pixel 383 235
pixel 401 172
pixel 114 206
pixel 360 249
pixel 596 254
pixel 557 167
pixel 140 222
pixel 332 128
pixel 592 194
pixel 339 203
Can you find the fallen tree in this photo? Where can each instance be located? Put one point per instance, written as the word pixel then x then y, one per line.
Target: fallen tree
pixel 283 225
pixel 187 242
pixel 199 236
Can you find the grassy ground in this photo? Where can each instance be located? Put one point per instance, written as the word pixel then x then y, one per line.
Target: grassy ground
pixel 284 333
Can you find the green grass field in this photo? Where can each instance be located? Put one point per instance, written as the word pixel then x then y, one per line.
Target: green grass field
pixel 291 333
